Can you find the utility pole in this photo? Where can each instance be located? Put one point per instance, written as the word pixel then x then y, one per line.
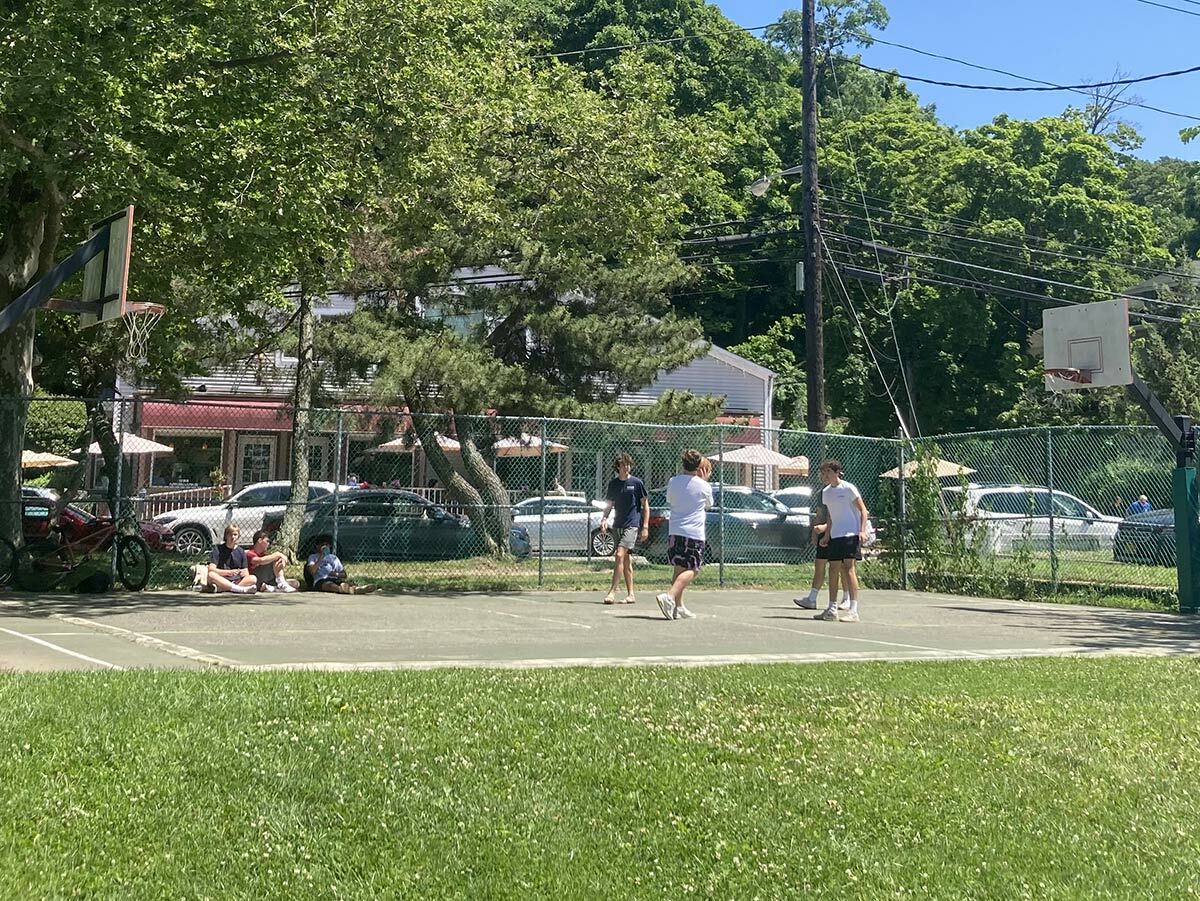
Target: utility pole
pixel 814 324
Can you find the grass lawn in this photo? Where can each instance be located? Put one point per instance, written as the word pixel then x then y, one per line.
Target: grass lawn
pixel 1006 779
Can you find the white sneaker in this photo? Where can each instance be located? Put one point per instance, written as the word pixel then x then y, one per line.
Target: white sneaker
pixel 284 585
pixel 850 616
pixel 845 604
pixel 808 603
pixel 829 615
pixel 666 604
pixel 684 613
pixel 267 587
pixel 243 589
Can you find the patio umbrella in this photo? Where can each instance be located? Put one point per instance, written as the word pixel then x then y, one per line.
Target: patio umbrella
pixel 38 460
pixel 754 455
pixel 798 467
pixel 134 445
pixel 405 444
pixel 943 469
pixel 526 446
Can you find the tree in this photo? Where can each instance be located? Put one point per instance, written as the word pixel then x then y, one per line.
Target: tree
pixel 777 351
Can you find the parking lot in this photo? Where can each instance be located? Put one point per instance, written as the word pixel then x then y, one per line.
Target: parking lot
pixel 529 629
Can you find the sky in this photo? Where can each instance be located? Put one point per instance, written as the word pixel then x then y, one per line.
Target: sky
pixel 1060 41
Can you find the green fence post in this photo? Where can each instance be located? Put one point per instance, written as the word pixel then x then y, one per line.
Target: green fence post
pixel 337 478
pixel 903 520
pixel 1050 501
pixel 721 508
pixel 1187 525
pixel 542 515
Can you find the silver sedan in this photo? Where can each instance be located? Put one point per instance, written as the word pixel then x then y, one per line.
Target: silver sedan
pixel 568 524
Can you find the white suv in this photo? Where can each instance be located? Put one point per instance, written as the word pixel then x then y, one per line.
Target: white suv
pixel 1012 515
pixel 197 529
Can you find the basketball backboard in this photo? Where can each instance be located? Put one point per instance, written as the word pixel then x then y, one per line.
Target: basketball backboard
pixel 106 276
pixel 1087 345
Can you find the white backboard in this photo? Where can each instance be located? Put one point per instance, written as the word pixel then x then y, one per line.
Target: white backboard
pixel 106 277
pixel 1092 338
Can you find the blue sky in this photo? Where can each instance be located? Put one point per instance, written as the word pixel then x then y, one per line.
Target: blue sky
pixel 1061 41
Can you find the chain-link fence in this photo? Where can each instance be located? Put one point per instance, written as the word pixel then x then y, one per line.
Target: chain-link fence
pixel 441 502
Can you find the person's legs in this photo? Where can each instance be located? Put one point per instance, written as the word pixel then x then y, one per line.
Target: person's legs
pixel 241 586
pixel 835 580
pixel 809 602
pixel 629 576
pixel 220 583
pixel 851 615
pixel 618 569
pixel 333 587
pixel 683 578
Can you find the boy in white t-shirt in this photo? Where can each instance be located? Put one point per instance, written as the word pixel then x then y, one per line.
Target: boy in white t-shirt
pixel 690 497
pixel 843 538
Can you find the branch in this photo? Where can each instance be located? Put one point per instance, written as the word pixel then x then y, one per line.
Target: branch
pixel 31 151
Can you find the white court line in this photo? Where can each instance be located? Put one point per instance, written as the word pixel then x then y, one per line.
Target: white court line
pixel 63 650
pixel 890 644
pixel 148 641
pixel 540 619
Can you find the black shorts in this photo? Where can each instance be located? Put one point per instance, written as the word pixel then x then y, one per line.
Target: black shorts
pixel 336 580
pixel 843 549
pixel 822 550
pixel 686 553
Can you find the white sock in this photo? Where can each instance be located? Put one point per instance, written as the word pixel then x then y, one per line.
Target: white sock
pixel 240 589
pixel 854 605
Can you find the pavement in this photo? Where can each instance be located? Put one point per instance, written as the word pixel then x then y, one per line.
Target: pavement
pixel 310 630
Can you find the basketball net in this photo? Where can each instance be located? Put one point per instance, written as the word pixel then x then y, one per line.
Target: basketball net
pixel 139 322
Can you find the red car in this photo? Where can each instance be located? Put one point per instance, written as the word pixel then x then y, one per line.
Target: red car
pixel 77 525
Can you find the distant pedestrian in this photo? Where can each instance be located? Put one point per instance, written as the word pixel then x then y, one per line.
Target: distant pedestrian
pixel 629 505
pixel 557 489
pixel 690 497
pixel 819 536
pixel 847 533
pixel 1141 505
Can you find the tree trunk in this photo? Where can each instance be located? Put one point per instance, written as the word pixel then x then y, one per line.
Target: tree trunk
pixel 28 241
pixel 497 514
pixel 293 517
pixel 458 488
pixel 101 424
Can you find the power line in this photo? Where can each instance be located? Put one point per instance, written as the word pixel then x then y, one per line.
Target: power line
pixel 653 42
pixel 883 205
pixel 1019 77
pixel 1186 12
pixel 1021 88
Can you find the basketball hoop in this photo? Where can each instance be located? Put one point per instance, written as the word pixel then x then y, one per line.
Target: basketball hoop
pixel 1067 378
pixel 139 320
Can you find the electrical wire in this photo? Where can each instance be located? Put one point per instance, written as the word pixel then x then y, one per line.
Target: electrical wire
pixel 1019 77
pixel 1186 12
pixel 1023 89
pixel 654 42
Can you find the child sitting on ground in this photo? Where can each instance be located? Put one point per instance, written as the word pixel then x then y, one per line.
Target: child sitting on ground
pixel 325 572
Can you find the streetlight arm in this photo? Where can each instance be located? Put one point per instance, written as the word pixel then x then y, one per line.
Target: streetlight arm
pixel 763 183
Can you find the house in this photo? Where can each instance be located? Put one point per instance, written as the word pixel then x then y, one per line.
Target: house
pixel 236 425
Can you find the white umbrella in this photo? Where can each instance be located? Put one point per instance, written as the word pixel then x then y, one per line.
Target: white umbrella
pixel 134 444
pixel 405 444
pixel 526 446
pixel 754 455
pixel 37 460
pixel 943 469
pixel 798 467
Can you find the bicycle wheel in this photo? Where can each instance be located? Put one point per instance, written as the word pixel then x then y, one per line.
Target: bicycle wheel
pixel 40 566
pixel 8 562
pixel 133 562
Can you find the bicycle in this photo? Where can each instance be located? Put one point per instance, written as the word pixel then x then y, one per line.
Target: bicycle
pixel 44 564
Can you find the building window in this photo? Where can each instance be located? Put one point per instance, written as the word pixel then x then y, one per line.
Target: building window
pixel 195 457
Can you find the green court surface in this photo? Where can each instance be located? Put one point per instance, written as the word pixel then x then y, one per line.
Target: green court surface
pixel 530 629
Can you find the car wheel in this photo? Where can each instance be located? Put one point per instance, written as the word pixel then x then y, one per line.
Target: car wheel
pixel 192 541
pixel 603 543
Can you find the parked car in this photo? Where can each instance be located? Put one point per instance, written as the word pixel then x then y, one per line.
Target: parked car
pixel 1146 538
pixel 1013 515
pixel 798 498
pixel 568 524
pixel 755 528
pixel 77 525
pixel 391 524
pixel 197 529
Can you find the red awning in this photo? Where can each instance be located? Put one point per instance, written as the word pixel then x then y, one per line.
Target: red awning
pixel 242 416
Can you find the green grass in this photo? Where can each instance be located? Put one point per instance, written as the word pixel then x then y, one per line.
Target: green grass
pixel 1006 779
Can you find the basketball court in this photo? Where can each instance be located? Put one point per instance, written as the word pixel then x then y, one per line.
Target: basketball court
pixel 317 631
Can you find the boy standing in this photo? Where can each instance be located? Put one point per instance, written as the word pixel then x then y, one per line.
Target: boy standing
pixel 626 494
pixel 846 533
pixel 690 497
pixel 820 540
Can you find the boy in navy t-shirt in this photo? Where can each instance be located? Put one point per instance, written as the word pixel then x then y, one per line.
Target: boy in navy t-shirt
pixel 630 506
